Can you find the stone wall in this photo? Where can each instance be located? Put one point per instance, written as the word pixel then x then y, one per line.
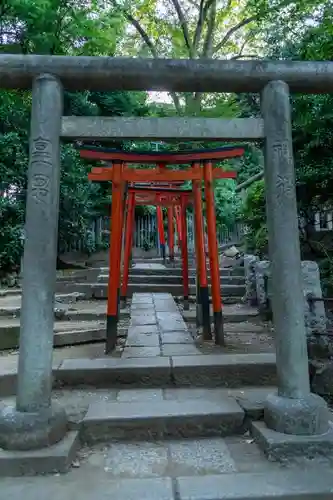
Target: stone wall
pixel 259 292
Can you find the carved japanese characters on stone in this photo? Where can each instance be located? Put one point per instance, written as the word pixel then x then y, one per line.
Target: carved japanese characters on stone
pixel 40 187
pixel 41 159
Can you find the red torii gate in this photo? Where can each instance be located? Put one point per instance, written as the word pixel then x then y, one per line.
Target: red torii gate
pixel 201 169
pixel 160 197
pixel 159 215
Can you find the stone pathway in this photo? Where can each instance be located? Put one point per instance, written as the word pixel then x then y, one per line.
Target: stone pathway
pixel 159 428
pixel 157 328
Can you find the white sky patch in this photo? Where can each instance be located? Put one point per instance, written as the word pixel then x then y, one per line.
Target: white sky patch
pixel 161 97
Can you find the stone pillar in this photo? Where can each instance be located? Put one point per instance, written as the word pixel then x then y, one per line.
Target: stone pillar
pixel 294 410
pixel 35 422
pixel 250 279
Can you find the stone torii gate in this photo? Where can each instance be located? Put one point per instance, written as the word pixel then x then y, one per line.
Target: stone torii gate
pixel 35 421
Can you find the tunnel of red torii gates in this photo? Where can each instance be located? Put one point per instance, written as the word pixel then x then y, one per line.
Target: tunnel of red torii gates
pixel 161 186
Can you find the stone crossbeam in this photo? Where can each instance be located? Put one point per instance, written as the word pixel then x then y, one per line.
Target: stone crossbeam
pixel 213 129
pixel 112 73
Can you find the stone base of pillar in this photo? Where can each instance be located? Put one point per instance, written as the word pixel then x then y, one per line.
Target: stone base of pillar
pixel 294 427
pixel 305 416
pixel 31 431
pixel 51 460
pixel 280 447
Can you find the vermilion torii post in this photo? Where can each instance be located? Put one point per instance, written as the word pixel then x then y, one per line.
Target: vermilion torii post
pixel 128 244
pixel 213 254
pixel 160 228
pixel 171 234
pixel 184 252
pixel 203 309
pixel 116 226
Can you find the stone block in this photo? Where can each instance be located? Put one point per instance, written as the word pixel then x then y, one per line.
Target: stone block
pixel 143 330
pixel 279 446
pixel 292 484
pixel 137 460
pixel 314 312
pixel 141 352
pixel 200 456
pixel 142 340
pixel 8 380
pixel 169 322
pixel 130 395
pixel 143 319
pixel 175 337
pixel 105 372
pixel 250 279
pixel 177 349
pixel 161 420
pixel 53 459
pixel 322 381
pixel 166 306
pixel 9 334
pixel 224 370
pixel 262 275
pixel 252 400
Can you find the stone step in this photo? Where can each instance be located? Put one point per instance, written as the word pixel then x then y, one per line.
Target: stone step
pixel 293 484
pixel 160 420
pixel 208 370
pixel 231 300
pixel 79 275
pixel 65 333
pixel 135 474
pixel 10 305
pixel 77 311
pixel 7 292
pixel 172 280
pixel 100 290
pixel 177 271
pixel 231 314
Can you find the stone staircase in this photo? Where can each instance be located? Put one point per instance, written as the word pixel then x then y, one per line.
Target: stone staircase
pixel 169 280
pixel 168 417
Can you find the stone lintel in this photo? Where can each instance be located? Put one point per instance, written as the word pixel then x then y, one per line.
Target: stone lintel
pixel 279 446
pixel 53 459
pixel 182 75
pixel 99 128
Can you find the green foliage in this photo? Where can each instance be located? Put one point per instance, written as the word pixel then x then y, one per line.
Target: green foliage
pixel 254 216
pixel 55 27
pixel 11 217
pixel 305 34
pixel 227 203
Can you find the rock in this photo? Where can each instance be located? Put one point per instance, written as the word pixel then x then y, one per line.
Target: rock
pixel 262 275
pixel 322 380
pixel 250 280
pixel 231 252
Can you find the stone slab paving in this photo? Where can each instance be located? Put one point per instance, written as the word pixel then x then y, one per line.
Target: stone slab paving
pixel 207 469
pixel 157 328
